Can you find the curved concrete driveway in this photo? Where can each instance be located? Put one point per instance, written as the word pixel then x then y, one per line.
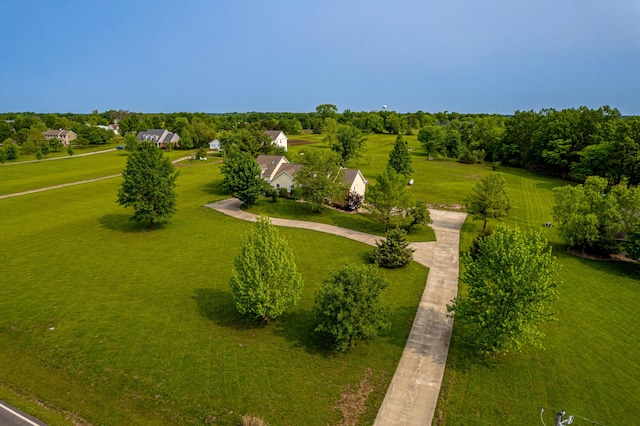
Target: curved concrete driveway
pixel 413 394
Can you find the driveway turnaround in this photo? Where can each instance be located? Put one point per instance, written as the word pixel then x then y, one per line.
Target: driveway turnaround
pixel 412 396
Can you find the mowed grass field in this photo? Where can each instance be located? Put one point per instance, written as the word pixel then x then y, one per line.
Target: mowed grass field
pixel 146 333
pixel 118 325
pixel 591 364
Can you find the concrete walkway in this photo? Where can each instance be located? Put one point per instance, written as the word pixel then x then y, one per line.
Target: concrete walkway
pixel 413 394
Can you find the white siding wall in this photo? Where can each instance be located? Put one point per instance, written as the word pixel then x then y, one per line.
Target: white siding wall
pixel 358 185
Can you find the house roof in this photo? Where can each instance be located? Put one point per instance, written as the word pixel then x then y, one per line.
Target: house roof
pixel 273 134
pixel 58 132
pixel 350 175
pixel 268 163
pixel 158 136
pixel 291 169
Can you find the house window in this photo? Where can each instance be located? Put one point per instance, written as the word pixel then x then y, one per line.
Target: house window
pixel 277 186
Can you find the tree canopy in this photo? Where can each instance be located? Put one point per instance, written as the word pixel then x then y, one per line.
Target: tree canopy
pixel 389 200
pixel 348 306
pixel 591 216
pixel 510 282
pixel 348 142
pixel 148 185
pixel 321 178
pixel 265 280
pixel 489 198
pixel 242 176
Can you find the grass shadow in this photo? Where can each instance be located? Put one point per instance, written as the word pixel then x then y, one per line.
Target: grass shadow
pixel 123 223
pixel 214 187
pixel 298 328
pixel 219 307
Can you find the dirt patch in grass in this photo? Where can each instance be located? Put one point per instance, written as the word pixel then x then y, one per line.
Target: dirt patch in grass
pixel 298 142
pixel 352 403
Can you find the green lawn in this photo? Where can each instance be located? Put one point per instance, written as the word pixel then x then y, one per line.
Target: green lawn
pixel 145 325
pixel 145 331
pixel 24 177
pixel 289 209
pixel 591 363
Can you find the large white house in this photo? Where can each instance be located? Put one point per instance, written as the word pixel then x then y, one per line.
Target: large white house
pixel 278 138
pixel 64 136
pixel 279 173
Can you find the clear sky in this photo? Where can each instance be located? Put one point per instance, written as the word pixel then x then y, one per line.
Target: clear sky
pixel 224 56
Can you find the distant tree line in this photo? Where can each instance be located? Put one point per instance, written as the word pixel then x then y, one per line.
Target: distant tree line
pixel 571 143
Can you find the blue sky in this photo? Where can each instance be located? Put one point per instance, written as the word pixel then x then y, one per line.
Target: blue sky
pixel 223 56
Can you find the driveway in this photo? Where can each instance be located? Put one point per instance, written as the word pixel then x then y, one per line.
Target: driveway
pixel 413 393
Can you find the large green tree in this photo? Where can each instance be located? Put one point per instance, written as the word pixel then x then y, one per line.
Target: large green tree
pixel 265 280
pixel 591 216
pixel 348 306
pixel 400 157
pixel 489 198
pixel 510 281
pixel 389 200
pixel 321 178
pixel 348 143
pixel 242 176
pixel 148 185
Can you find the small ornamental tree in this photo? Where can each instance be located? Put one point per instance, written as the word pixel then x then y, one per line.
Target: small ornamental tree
pixel 70 150
pixel 348 306
pixel 265 280
pixel 400 157
pixel 418 214
pixel 388 199
pixel 149 185
pixel 242 176
pixel 510 280
pixel 393 251
pixel 489 198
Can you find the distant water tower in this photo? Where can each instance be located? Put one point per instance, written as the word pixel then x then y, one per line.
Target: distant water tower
pixel 384 107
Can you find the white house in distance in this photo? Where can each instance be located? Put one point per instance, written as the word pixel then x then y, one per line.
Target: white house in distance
pixel 64 136
pixel 278 138
pixel 162 138
pixel 279 173
pixel 214 144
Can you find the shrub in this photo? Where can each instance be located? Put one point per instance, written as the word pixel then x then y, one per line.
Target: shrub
pixel 353 201
pixel 283 193
pixel 296 193
pixel 394 251
pixel 201 153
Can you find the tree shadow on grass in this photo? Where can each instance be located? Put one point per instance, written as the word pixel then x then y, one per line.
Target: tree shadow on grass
pixel 214 187
pixel 123 223
pixel 298 328
pixel 219 307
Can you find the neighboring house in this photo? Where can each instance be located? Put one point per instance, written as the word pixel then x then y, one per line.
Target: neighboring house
pixel 162 138
pixel 279 173
pixel 214 144
pixel 111 127
pixel 64 136
pixel 278 138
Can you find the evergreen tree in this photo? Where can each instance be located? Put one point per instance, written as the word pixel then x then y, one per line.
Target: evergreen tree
pixel 149 185
pixel 242 176
pixel 388 199
pixel 400 157
pixel 348 306
pixel 265 280
pixel 394 251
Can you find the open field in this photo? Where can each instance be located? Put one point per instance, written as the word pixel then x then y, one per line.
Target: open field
pixel 591 365
pixel 144 320
pixel 145 331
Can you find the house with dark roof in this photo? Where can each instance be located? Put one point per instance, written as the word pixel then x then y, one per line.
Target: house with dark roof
pixel 278 138
pixel 278 172
pixel 162 138
pixel 64 136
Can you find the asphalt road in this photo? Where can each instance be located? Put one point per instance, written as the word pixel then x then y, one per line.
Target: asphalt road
pixel 11 416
